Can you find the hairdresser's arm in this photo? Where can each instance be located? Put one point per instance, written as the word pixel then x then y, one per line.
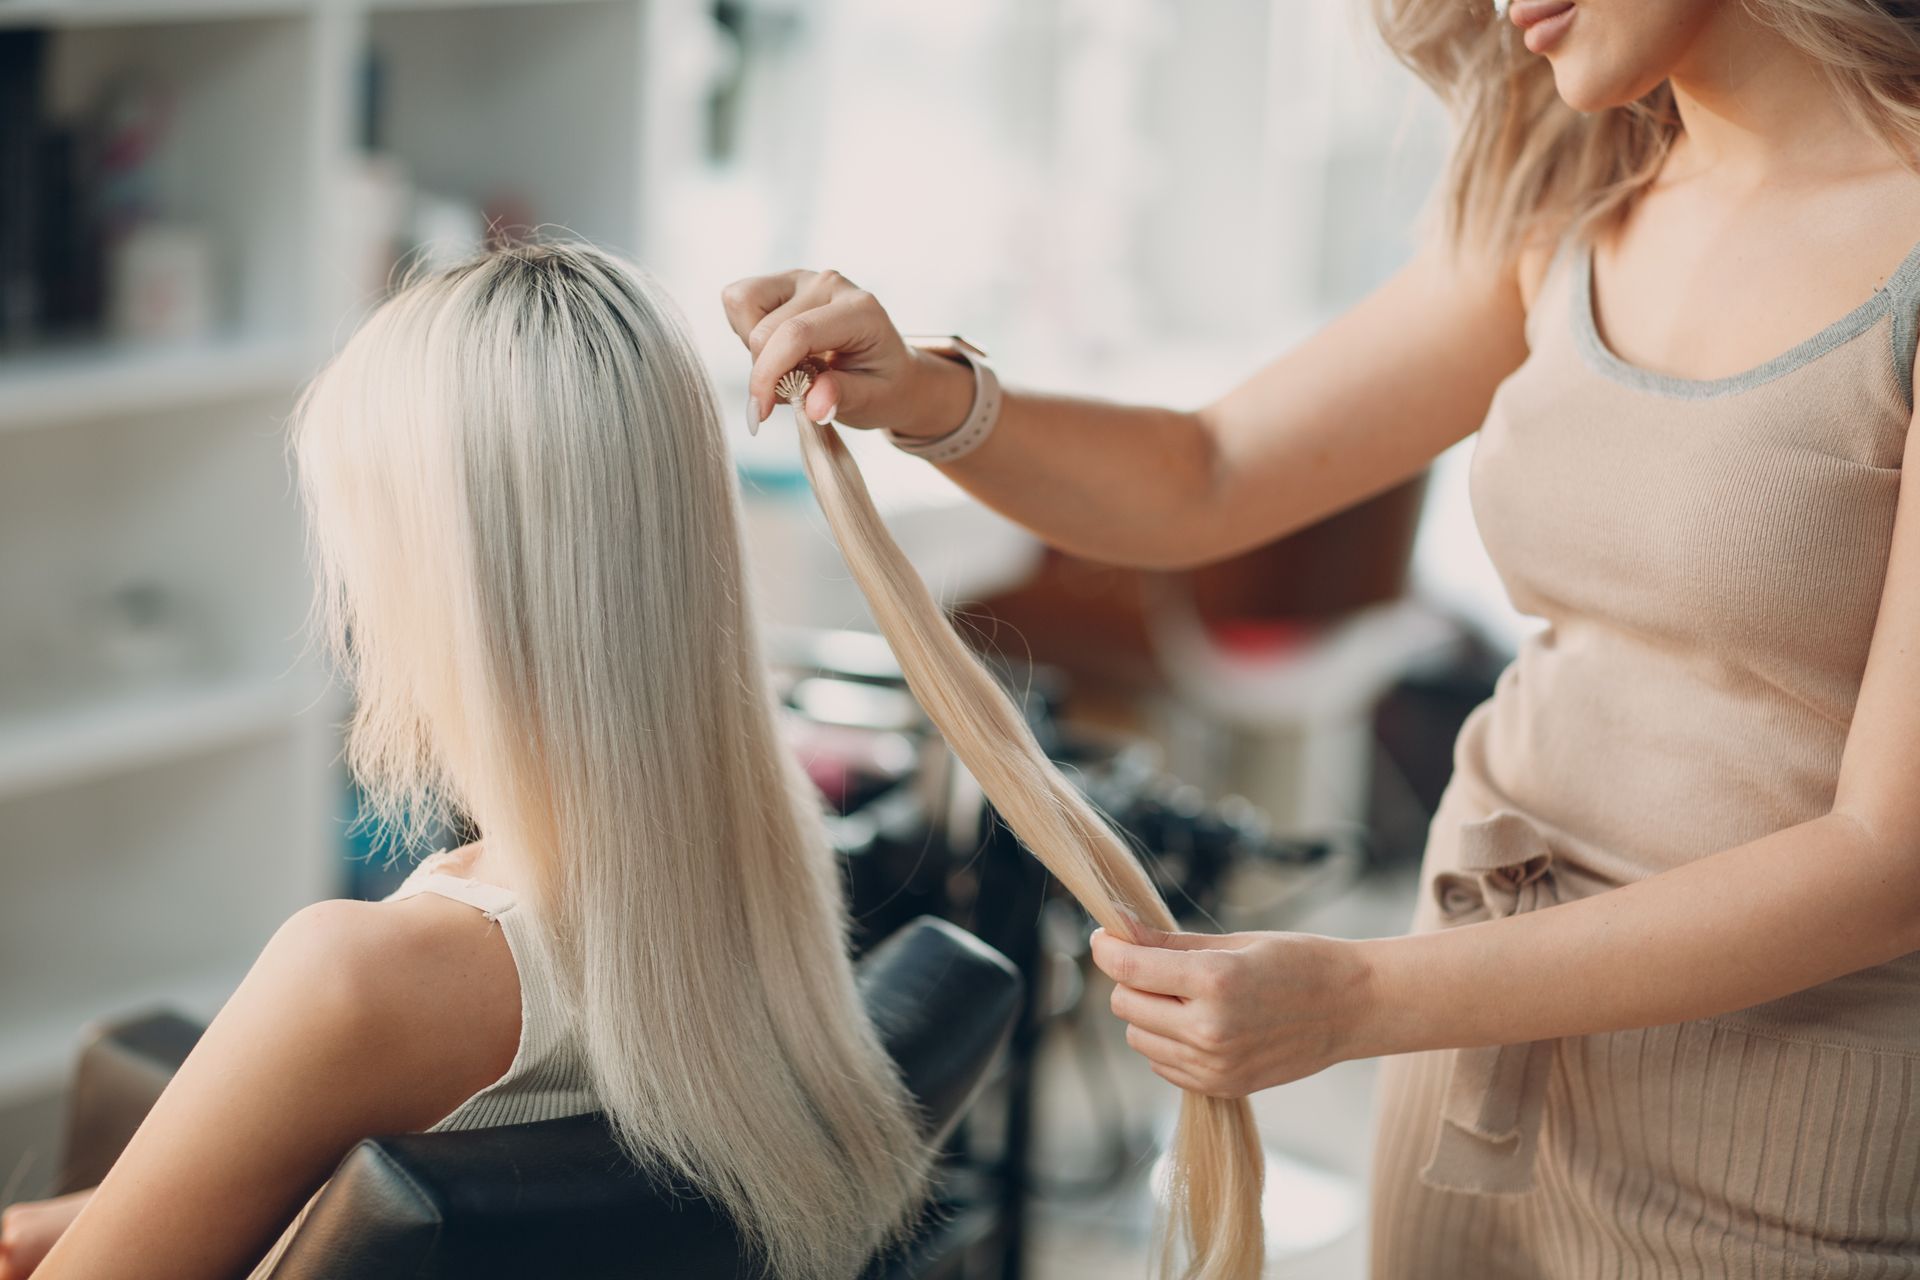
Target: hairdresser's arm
pixel 1765 919
pixel 1362 405
pixel 357 1019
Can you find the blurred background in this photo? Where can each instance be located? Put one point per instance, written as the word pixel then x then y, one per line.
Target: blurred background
pixel 1132 198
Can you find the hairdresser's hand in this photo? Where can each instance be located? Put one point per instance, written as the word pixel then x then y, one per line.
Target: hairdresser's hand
pixel 873 378
pixel 1231 1014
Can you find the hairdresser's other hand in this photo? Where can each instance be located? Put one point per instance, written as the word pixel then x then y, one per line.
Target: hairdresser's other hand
pixel 873 378
pixel 1232 1014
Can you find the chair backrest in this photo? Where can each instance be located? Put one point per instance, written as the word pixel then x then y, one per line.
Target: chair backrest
pixel 559 1198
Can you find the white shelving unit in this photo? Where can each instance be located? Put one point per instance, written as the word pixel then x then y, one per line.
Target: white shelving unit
pixel 87 743
pixel 101 382
pixel 155 828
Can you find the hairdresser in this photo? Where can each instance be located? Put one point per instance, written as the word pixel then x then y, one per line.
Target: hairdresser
pixel 1660 1005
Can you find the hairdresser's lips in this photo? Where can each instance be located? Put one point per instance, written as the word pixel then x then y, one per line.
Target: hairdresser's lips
pixel 1544 21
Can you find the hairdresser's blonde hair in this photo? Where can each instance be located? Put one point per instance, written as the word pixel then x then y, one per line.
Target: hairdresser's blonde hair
pixel 528 546
pixel 1217 1164
pixel 1526 168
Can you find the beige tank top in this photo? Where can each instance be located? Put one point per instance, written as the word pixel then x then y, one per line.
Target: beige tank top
pixel 1708 558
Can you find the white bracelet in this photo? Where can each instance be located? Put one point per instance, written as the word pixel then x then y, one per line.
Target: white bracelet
pixel 972 432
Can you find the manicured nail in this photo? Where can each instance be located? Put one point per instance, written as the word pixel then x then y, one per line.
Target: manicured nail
pixel 753 414
pixel 832 410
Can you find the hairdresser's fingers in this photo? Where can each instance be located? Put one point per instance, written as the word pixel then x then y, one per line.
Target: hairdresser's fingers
pixel 823 401
pixel 1170 1061
pixel 1177 1065
pixel 1156 969
pixel 1158 1014
pixel 803 301
pixel 1152 937
pixel 1182 1080
pixel 1164 1051
pixel 847 328
pixel 747 301
pixel 816 290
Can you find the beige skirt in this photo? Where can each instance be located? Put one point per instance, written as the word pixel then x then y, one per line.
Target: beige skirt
pixel 1703 1149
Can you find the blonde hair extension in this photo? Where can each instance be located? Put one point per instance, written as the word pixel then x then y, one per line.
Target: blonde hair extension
pixel 527 533
pixel 1216 1163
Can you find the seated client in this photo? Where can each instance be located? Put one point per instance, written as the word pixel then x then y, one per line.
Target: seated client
pixel 527 539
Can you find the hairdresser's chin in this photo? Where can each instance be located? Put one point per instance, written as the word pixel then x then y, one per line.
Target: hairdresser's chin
pixel 1607 53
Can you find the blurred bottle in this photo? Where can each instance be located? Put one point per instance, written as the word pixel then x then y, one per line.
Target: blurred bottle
pixel 160 282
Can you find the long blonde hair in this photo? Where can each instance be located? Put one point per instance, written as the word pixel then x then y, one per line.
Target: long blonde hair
pixel 1527 168
pixel 1217 1163
pixel 527 538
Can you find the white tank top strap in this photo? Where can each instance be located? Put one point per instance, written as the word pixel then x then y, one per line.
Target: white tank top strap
pixel 490 900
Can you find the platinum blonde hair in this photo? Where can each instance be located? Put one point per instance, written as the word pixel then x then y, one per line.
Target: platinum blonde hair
pixel 527 538
pixel 1527 168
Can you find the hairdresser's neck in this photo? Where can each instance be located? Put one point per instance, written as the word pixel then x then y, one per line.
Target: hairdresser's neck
pixel 1756 110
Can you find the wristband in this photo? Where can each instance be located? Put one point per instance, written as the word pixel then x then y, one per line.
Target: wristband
pixel 981 417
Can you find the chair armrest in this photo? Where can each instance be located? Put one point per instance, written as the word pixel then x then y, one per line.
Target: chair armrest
pixel 121 1071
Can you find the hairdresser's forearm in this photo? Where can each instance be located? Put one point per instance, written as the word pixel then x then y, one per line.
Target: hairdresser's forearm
pixel 1363 404
pixel 1124 484
pixel 1797 908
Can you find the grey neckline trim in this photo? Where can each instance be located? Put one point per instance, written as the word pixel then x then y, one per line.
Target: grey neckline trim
pixel 1901 293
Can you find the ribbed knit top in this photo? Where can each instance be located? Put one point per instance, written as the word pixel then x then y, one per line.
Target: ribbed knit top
pixel 548 1077
pixel 1708 557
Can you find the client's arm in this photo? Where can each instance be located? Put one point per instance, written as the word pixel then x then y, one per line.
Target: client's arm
pixel 358 1019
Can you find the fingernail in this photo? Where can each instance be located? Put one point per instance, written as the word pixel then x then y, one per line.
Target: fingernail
pixel 753 414
pixel 832 410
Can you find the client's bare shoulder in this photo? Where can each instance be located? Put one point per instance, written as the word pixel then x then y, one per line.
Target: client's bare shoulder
pixel 427 984
pixel 359 1019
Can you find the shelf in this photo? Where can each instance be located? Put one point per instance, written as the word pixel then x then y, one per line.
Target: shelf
pixel 39 752
pixel 76 384
pixel 402 6
pixel 55 13
pixel 37 1052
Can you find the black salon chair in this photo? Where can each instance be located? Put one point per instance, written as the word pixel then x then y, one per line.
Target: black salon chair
pixel 558 1198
